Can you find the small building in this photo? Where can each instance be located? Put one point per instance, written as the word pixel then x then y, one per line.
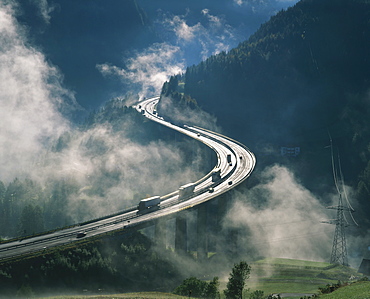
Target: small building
pixel 365 264
pixel 290 151
pixel 365 267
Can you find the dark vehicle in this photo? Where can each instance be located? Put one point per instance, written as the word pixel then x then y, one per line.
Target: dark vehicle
pixel 216 175
pixel 228 158
pixel 80 235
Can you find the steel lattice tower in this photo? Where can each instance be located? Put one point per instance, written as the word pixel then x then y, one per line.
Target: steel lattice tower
pixel 339 249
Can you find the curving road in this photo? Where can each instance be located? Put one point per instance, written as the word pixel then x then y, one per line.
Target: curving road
pixel 235 162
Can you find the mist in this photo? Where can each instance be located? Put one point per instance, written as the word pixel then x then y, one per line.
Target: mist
pixel 32 97
pixel 184 114
pixel 108 169
pixel 211 35
pixel 185 43
pixel 281 218
pixel 146 71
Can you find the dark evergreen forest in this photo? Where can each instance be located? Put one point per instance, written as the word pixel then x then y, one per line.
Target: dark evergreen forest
pixel 114 264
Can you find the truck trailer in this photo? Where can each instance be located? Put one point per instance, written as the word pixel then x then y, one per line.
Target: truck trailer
pixel 149 203
pixel 186 190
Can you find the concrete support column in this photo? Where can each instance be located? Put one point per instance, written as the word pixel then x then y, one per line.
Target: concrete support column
pixel 222 207
pixel 230 235
pixel 180 234
pixel 160 232
pixel 202 240
pixel 232 248
pixel 221 226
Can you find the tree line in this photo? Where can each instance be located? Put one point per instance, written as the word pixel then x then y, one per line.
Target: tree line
pixel 26 208
pixel 113 264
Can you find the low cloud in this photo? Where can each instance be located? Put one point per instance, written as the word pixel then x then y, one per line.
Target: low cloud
pixel 44 9
pixel 184 114
pixel 109 171
pixel 148 70
pixel 183 31
pixel 115 172
pixel 281 218
pixel 208 37
pixel 31 95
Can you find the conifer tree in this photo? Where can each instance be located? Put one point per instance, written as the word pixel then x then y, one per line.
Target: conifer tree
pixel 239 274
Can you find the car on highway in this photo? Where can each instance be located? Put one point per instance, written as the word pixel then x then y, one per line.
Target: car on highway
pixel 80 234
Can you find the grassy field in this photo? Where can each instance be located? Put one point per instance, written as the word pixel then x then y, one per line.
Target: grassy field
pixel 292 263
pixel 144 295
pixel 275 275
pixel 296 276
pixel 357 290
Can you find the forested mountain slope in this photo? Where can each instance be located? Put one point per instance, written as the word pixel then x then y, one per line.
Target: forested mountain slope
pixel 296 72
pixel 304 73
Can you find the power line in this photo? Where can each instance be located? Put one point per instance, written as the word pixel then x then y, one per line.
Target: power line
pixel 280 223
pixel 290 238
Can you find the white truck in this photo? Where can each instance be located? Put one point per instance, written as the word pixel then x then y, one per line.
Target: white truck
pixel 149 203
pixel 186 190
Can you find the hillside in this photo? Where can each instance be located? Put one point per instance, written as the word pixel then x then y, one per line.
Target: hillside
pixel 305 73
pixel 277 275
pixel 297 73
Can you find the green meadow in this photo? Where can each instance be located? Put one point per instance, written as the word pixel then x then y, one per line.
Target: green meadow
pixel 277 275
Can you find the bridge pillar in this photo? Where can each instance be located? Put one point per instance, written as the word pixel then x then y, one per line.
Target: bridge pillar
pixel 231 234
pixel 180 233
pixel 202 240
pixel 222 207
pixel 227 242
pixel 160 232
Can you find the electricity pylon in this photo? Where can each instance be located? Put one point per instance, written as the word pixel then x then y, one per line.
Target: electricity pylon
pixel 339 248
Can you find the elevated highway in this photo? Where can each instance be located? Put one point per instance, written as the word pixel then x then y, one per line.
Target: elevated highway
pixel 235 163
